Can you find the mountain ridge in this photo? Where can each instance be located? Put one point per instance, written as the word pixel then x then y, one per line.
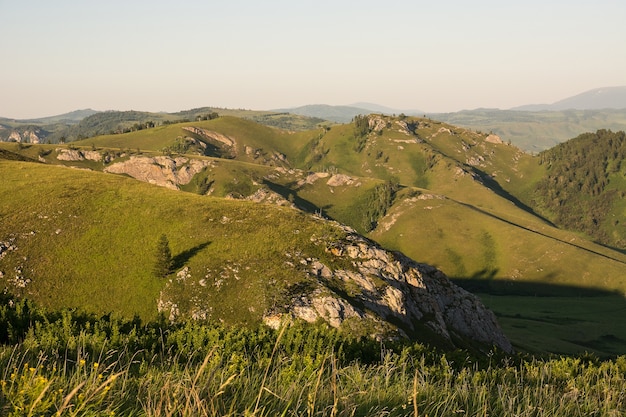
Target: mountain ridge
pixel 531 127
pixel 72 116
pixel 594 99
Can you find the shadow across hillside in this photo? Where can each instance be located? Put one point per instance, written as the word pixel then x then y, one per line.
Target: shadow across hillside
pixel 495 186
pixel 12 156
pixel 548 318
pixel 288 194
pixel 502 286
pixel 528 229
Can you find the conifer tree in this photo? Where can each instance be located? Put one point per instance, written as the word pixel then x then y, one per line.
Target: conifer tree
pixel 163 258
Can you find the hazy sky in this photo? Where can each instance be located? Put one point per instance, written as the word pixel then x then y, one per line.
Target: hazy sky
pixel 436 55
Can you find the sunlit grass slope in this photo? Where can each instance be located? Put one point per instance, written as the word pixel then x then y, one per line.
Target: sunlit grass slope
pixel 245 133
pixel 471 242
pixel 476 223
pixel 461 205
pixel 87 240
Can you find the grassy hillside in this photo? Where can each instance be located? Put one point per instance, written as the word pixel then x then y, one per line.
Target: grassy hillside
pixel 454 187
pixel 90 242
pixel 70 363
pixel 458 199
pixel 263 141
pixel 83 124
pixel 67 363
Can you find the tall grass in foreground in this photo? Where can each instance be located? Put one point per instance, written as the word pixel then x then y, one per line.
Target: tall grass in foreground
pixel 73 364
pixel 130 384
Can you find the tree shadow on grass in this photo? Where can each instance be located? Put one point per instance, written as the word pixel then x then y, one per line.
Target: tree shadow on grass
pixel 182 258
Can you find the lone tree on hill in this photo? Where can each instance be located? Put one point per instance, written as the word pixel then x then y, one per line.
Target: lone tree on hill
pixel 163 258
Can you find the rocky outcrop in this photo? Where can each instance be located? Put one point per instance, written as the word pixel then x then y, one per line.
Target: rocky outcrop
pixel 311 178
pixel 493 138
pixel 339 180
pixel 392 291
pixel 78 155
pixel 210 135
pixel 26 136
pixel 161 170
pixel 265 195
pixel 6 247
pixel 403 127
pixel 376 123
pixel 354 284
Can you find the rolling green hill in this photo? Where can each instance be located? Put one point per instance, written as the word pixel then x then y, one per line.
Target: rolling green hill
pixel 458 199
pixel 89 242
pixel 469 175
pixel 440 170
pixel 94 241
pixel 88 123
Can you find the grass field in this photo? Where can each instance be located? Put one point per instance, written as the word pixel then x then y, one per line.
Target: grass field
pixel 90 241
pixel 74 365
pixel 562 319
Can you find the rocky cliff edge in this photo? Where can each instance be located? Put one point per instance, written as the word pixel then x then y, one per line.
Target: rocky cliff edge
pixel 377 292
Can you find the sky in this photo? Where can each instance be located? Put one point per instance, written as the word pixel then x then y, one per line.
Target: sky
pixel 433 56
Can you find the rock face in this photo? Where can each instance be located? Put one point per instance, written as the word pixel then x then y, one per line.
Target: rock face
pixel 338 180
pixel 210 135
pixel 264 195
pixel 161 170
pixel 385 287
pixel 352 284
pixel 30 135
pixel 78 155
pixel 492 138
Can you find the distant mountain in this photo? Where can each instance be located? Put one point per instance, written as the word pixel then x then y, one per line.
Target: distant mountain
pixel 596 99
pixel 80 124
pixel 345 114
pixel 71 117
pixel 377 108
pixel 50 129
pixel 536 130
pixel 338 114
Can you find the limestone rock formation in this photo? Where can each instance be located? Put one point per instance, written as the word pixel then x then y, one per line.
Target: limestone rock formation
pixel 161 170
pixel 493 138
pixel 389 287
pixel 356 285
pixel 78 155
pixel 210 135
pixel 28 135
